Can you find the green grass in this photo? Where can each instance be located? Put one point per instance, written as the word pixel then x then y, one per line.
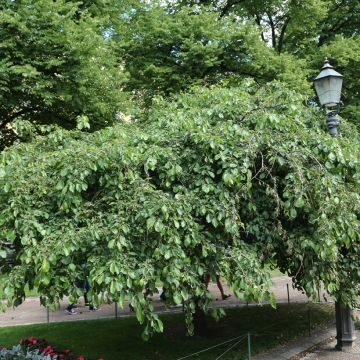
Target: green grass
pixel 28 292
pixel 120 338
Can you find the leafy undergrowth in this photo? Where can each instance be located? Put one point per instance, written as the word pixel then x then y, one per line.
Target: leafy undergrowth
pixel 121 338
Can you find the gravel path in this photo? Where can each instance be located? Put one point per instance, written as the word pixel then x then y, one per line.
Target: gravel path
pixel 30 312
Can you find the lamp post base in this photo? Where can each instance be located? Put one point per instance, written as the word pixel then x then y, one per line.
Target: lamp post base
pixel 345 329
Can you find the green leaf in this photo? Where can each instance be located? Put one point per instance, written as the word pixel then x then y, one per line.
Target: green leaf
pixel 150 222
pixel 82 122
pixel 228 179
pixel 158 325
pixel 184 294
pixel 139 314
pixel 273 300
pixel 158 226
pixel 299 202
pixel 45 267
pixel 45 280
pixel 114 269
pixel 72 267
pixel 293 213
pixel 10 235
pixel 60 185
pixel 177 298
pixel 113 287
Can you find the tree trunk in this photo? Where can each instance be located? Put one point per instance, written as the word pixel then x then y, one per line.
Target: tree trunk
pixel 200 323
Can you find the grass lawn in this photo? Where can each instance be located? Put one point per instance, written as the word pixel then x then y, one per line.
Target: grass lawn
pixel 120 338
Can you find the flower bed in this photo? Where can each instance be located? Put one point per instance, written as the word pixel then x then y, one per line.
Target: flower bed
pixel 36 349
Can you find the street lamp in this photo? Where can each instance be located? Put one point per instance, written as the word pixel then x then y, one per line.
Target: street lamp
pixel 328 88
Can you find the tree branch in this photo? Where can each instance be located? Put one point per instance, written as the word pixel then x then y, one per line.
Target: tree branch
pixel 273 32
pixel 228 6
pixel 282 34
pixel 258 22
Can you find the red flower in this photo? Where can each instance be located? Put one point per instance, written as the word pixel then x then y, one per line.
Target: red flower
pixel 46 349
pixel 49 350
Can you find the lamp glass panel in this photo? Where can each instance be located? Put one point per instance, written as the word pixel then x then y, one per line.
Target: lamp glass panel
pixel 335 89
pixel 322 88
pixel 329 90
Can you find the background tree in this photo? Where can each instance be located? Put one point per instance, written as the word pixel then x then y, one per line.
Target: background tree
pixel 163 197
pixel 311 30
pixel 167 51
pixel 303 33
pixel 55 65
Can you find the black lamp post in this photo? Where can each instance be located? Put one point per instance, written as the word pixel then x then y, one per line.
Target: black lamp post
pixel 328 87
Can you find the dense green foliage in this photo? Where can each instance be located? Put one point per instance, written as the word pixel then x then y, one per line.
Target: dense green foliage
pixel 63 60
pixel 169 48
pixel 166 196
pixel 55 66
pixel 166 52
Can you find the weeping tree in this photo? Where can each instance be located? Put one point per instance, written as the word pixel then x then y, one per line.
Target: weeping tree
pixel 163 197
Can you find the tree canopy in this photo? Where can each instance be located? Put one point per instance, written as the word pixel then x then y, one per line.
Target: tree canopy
pixel 166 52
pixel 67 62
pixel 55 65
pixel 174 45
pixel 163 197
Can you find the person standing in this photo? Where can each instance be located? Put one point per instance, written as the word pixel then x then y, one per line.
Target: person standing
pixel 214 269
pixel 85 285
